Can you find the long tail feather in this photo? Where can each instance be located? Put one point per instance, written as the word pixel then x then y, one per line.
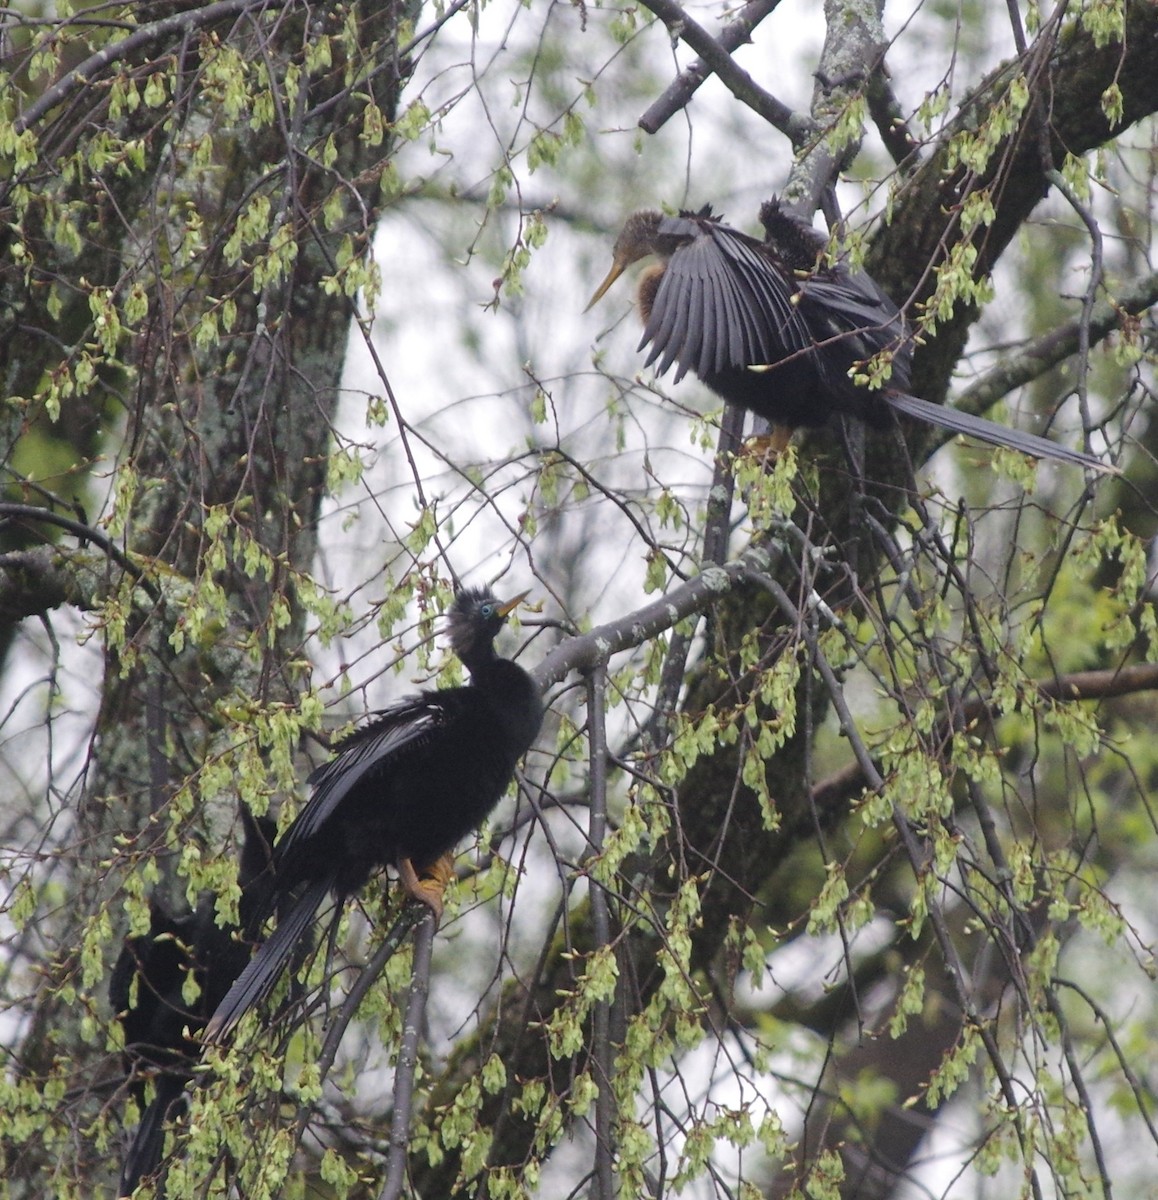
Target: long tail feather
pixel 992 433
pixel 144 1154
pixel 258 979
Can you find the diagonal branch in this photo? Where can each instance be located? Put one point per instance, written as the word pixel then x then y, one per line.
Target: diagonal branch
pixel 734 34
pixel 1036 357
pixel 640 626
pixel 795 126
pixel 146 35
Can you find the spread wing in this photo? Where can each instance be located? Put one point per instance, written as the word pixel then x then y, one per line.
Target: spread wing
pixel 854 308
pixel 721 304
pixel 395 731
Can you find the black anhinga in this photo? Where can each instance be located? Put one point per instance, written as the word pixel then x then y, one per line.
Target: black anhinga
pixel 160 1027
pixel 402 791
pixel 770 328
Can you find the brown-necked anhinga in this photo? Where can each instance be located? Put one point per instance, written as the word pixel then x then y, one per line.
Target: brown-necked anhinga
pixel 402 791
pixel 771 328
pixel 147 992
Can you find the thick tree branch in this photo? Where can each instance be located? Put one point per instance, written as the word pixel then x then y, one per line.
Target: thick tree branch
pixel 31 514
pixel 795 126
pixel 854 43
pixel 734 34
pixel 34 582
pixel 640 626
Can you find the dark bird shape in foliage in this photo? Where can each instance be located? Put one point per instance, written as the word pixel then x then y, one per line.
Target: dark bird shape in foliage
pixel 160 1026
pixel 401 791
pixel 771 328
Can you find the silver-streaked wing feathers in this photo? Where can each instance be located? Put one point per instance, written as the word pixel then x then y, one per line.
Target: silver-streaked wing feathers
pixel 720 305
pixel 392 732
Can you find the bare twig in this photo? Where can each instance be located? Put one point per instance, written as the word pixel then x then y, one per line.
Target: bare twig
pixel 410 916
pixel 408 1058
pixel 717 529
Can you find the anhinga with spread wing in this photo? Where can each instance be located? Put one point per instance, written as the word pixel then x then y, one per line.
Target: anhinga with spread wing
pixel 147 992
pixel 401 791
pixel 770 328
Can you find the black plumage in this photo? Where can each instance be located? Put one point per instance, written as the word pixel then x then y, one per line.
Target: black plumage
pixel 771 328
pixel 401 791
pixel 160 1026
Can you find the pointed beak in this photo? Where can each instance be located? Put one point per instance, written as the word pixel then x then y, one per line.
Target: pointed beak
pixel 509 606
pixel 617 269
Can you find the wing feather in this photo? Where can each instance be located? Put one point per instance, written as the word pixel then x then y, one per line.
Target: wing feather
pixel 771 316
pixel 396 730
pixel 720 304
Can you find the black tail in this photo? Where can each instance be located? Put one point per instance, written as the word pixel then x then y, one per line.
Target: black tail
pixel 992 433
pixel 255 873
pixel 259 978
pixel 144 1155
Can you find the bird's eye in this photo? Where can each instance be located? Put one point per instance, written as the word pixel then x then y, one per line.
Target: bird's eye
pixel 488 609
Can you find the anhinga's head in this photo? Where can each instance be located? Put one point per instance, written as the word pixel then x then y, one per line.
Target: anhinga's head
pixel 474 620
pixel 638 238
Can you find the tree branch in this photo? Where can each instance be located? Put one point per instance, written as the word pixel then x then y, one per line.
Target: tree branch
pixel 795 126
pixel 838 789
pixel 33 582
pixel 605 1188
pixel 86 533
pixel 146 35
pixel 684 86
pixel 589 649
pixel 854 44
pixel 412 1027
pixel 1036 357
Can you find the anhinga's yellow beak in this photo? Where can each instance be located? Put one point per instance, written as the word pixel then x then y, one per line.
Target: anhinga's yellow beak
pixel 509 606
pixel 617 269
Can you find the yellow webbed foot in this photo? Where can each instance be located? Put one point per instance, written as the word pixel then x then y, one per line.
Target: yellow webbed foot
pixel 429 885
pixel 767 447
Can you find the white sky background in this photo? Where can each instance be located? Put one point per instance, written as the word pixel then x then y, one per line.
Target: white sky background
pixel 458 370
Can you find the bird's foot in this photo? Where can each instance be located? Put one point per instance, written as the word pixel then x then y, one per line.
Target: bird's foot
pixel 428 886
pixel 766 448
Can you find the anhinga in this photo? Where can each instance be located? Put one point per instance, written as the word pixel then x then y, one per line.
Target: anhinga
pixel 160 1027
pixel 771 328
pixel 401 791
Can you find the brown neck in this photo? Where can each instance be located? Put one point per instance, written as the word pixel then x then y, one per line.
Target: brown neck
pixel 648 286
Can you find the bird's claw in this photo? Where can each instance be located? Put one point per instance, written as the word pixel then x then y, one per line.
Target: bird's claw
pixel 766 448
pixel 428 887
